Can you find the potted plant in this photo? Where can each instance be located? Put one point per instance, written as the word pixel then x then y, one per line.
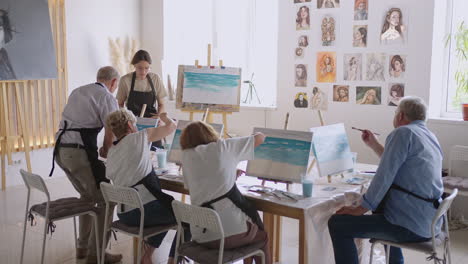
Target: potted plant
pixel 461 73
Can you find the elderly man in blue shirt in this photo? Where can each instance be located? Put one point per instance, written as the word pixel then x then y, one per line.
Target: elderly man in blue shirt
pixel 406 188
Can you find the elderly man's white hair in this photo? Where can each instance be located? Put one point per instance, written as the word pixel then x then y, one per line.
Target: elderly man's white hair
pixel 414 108
pixel 107 73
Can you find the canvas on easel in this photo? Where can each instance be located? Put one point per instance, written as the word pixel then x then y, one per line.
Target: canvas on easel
pixel 201 87
pixel 175 153
pixel 331 150
pixel 283 156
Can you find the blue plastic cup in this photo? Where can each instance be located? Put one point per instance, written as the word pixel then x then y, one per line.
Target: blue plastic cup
pixel 307 188
pixel 161 155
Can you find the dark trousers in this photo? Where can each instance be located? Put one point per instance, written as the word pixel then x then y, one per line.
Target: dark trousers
pixel 155 214
pixel 344 228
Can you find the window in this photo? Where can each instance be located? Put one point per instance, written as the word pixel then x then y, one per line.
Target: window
pixel 243 33
pixel 457 71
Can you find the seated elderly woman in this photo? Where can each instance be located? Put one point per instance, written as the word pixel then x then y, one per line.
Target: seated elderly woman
pixel 129 165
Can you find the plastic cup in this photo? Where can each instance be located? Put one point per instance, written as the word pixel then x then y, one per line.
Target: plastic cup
pixel 161 155
pixel 307 188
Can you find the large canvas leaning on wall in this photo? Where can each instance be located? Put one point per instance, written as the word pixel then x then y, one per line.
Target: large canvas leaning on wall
pixel 283 156
pixel 216 88
pixel 26 45
pixel 331 149
pixel 175 153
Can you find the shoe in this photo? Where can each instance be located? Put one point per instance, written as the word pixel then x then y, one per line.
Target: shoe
pixel 81 253
pixel 108 259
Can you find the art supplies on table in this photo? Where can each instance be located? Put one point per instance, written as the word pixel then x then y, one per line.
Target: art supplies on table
pixel 283 156
pixel 355 181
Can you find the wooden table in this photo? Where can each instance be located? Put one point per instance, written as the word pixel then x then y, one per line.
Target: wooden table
pixel 270 208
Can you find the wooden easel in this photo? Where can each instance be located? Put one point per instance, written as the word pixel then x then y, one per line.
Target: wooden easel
pixel 312 164
pixel 208 117
pixel 6 136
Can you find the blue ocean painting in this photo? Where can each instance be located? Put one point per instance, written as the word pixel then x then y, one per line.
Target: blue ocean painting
pixel 291 151
pixel 176 141
pixel 330 144
pixel 210 82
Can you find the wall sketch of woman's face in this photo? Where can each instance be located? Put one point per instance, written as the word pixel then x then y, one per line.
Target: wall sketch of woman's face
pixel 394 19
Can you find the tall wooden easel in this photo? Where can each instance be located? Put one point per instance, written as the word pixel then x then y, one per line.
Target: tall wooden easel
pixel 7 137
pixel 208 114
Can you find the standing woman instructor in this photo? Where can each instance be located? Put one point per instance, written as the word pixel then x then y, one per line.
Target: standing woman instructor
pixel 142 87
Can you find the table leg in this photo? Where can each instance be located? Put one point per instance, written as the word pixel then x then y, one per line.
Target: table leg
pixel 135 250
pixel 269 223
pixel 277 256
pixel 302 241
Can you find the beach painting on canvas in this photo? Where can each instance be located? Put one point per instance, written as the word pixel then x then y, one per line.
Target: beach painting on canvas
pixel 175 153
pixel 283 156
pixel 217 88
pixel 331 149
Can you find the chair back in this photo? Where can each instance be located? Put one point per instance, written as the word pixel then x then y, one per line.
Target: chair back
pixel 458 161
pixel 442 212
pixel 34 181
pixel 121 195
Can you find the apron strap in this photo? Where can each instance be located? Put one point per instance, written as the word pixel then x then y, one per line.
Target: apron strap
pixel 57 143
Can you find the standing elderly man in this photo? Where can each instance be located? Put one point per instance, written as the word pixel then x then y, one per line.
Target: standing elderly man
pixel 406 188
pixel 76 152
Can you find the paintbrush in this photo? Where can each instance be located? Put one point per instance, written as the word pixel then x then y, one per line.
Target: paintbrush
pixel 362 130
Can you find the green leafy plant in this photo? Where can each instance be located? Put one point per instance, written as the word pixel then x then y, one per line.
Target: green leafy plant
pixel 461 73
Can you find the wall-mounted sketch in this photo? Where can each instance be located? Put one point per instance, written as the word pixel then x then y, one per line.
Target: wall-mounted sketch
pixel 299 52
pixel 26 45
pixel 303 18
pixel 331 149
pixel 319 100
pixel 300 100
pixel 341 93
pixel 360 36
pixel 396 93
pixel 360 10
pixel 303 41
pixel 368 95
pixel 352 69
pixel 375 67
pixel 301 75
pixel 216 88
pixel 328 27
pixel 175 153
pixel 393 28
pixel 283 156
pixel 326 67
pixel 301 1
pixel 328 4
pixel 397 66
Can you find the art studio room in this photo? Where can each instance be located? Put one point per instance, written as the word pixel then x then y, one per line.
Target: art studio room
pixel 258 131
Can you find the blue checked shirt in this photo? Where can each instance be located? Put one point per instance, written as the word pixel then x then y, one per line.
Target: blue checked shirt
pixel 412 159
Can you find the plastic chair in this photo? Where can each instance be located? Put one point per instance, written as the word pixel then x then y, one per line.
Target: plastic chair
pixel 208 219
pixel 130 197
pixel 51 211
pixel 428 247
pixel 458 175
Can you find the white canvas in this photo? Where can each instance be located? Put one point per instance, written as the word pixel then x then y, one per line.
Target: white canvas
pixel 331 149
pixel 175 153
pixel 211 86
pixel 283 156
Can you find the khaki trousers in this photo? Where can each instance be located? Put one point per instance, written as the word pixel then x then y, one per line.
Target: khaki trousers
pixel 77 167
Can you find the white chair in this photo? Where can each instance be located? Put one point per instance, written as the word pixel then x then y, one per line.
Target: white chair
pixel 51 211
pixel 428 247
pixel 130 197
pixel 208 219
pixel 458 171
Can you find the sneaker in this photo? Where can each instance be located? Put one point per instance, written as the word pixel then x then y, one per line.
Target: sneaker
pixel 81 253
pixel 108 259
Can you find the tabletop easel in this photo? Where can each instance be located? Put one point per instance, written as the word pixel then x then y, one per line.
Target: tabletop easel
pixel 7 137
pixel 208 115
pixel 312 164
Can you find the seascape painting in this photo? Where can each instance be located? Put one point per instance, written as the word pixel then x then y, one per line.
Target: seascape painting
pixel 217 88
pixel 175 153
pixel 331 149
pixel 283 156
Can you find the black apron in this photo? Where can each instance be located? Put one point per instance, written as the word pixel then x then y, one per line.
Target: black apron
pixel 136 100
pixel 89 138
pixel 241 202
